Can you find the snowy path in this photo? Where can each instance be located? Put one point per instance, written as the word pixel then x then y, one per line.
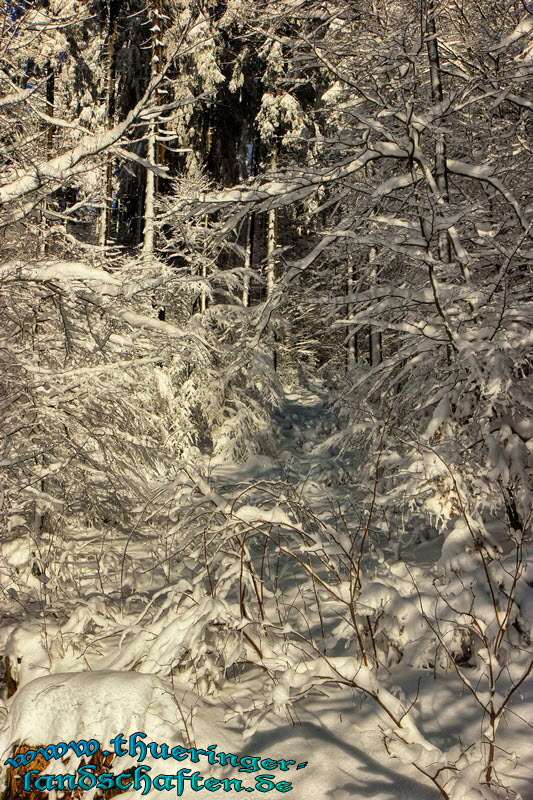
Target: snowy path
pixel 338 730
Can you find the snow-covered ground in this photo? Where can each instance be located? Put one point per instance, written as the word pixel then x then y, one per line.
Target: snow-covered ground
pixel 77 681
pixel 335 732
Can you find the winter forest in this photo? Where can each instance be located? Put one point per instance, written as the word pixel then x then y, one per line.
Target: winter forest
pixel 265 388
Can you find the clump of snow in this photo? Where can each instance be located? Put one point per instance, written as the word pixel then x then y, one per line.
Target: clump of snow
pixel 91 705
pixel 26 652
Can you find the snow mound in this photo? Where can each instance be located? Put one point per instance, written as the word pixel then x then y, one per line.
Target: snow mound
pixel 89 705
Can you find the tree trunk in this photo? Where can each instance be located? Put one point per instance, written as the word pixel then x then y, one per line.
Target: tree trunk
pixel 353 344
pixel 250 169
pixel 437 96
pixel 149 197
pixel 248 258
pixel 374 337
pixel 50 129
pixel 203 294
pixel 272 236
pixel 105 214
pixel 272 243
pixel 149 233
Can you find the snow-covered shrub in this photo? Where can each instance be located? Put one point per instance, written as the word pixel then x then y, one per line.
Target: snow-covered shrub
pixel 230 399
pixel 262 578
pixel 102 401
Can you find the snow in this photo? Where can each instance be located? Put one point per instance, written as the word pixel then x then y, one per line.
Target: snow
pixel 295 529
pixel 72 162
pixel 337 734
pixel 524 27
pixel 97 705
pixel 344 735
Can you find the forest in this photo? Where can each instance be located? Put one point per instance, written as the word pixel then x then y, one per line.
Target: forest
pixel 265 395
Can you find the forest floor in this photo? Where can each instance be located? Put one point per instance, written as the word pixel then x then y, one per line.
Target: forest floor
pixel 335 731
pixel 338 731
